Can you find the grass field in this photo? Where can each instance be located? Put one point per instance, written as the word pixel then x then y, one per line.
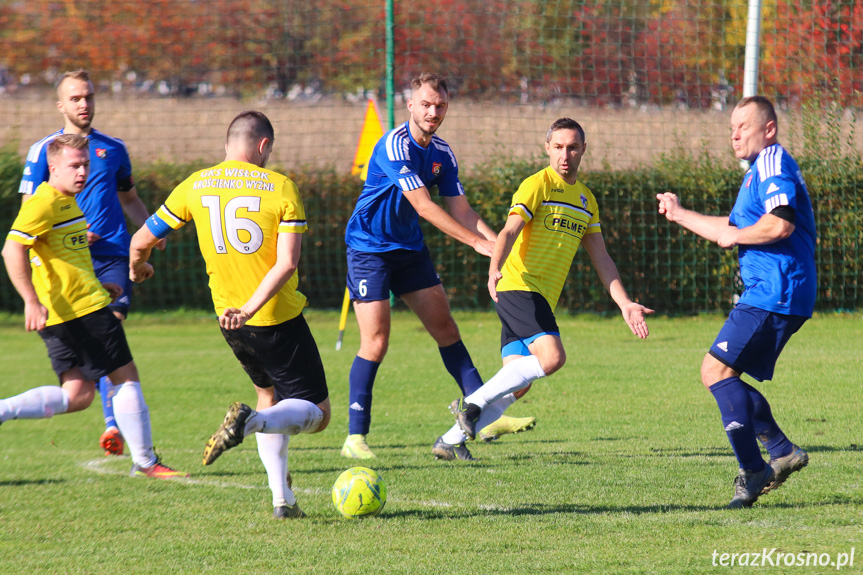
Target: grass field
pixel 628 470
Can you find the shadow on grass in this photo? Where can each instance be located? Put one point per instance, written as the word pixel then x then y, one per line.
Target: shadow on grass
pixel 540 509
pixel 726 450
pixel 427 444
pixel 28 482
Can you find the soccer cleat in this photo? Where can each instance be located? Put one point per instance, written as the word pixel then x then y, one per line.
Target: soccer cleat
pixel 466 415
pixel 783 467
pixel 111 441
pixel 443 450
pixel 288 512
pixel 356 447
pixel 504 425
pixel 230 434
pixel 748 486
pixel 156 471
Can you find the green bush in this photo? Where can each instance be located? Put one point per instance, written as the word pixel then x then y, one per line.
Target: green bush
pixel 661 264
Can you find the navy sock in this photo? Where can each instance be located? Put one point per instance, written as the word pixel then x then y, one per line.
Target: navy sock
pixel 766 429
pixel 362 379
pixel 107 402
pixel 458 363
pixel 736 408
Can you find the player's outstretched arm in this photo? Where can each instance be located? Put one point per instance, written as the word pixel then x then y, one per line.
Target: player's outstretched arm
pixel 439 218
pixel 633 313
pixel 460 209
pixel 139 252
pixel 136 211
pixel 288 251
pixel 17 261
pixel 708 227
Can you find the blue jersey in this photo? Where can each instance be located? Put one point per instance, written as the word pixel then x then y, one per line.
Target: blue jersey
pixel 384 219
pixel 780 277
pixel 110 172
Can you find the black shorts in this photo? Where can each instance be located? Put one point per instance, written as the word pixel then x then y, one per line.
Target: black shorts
pixel 284 356
pixel 524 316
pixel 96 343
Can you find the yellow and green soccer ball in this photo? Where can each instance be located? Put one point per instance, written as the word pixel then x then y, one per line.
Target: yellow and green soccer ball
pixel 359 492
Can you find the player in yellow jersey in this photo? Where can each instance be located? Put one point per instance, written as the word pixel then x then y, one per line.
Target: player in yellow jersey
pixel 551 215
pixel 48 260
pixel 250 223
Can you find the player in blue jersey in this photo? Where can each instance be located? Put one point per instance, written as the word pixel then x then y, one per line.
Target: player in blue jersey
pixel 773 226
pixel 109 193
pixel 386 252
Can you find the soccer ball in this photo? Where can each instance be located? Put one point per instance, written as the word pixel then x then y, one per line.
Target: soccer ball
pixel 359 492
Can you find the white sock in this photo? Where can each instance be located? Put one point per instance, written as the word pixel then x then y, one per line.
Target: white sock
pixel 288 417
pixel 493 411
pixel 454 436
pixel 37 403
pixel 133 419
pixel 512 377
pixel 490 414
pixel 273 450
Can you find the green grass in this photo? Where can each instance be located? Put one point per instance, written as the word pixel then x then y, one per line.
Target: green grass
pixel 628 470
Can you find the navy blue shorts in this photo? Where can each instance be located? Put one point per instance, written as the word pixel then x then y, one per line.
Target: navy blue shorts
pixel 752 339
pixel 524 316
pixel 373 275
pixel 283 356
pixel 115 269
pixel 95 343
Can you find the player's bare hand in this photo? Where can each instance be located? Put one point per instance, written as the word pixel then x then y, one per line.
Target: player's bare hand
pixel 669 204
pixel 494 276
pixel 633 314
pixel 484 247
pixel 161 244
pixel 113 289
pixel 92 237
pixel 233 318
pixel 728 237
pixel 141 272
pixel 35 316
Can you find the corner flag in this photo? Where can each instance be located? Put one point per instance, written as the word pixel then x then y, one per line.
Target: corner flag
pixel 372 132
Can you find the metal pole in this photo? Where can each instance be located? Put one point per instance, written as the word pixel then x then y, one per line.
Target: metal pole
pixel 391 93
pixel 753 48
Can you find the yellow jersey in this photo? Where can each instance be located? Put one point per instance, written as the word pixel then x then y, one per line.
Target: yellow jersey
pixel 557 217
pixel 239 209
pixel 53 227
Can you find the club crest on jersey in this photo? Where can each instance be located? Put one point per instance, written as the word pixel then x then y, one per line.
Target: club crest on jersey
pixel 436 166
pixel 102 153
pixel 583 201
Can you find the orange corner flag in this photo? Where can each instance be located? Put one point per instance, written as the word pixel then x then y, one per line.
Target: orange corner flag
pixel 372 132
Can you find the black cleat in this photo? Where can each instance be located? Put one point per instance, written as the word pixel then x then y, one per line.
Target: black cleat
pixel 288 512
pixel 443 450
pixel 230 434
pixel 748 486
pixel 783 467
pixel 466 415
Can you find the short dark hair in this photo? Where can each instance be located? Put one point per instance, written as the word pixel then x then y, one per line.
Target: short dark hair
pixel 74 141
pixel 82 75
pixel 250 126
pixel 765 108
pixel 565 124
pixel 434 81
